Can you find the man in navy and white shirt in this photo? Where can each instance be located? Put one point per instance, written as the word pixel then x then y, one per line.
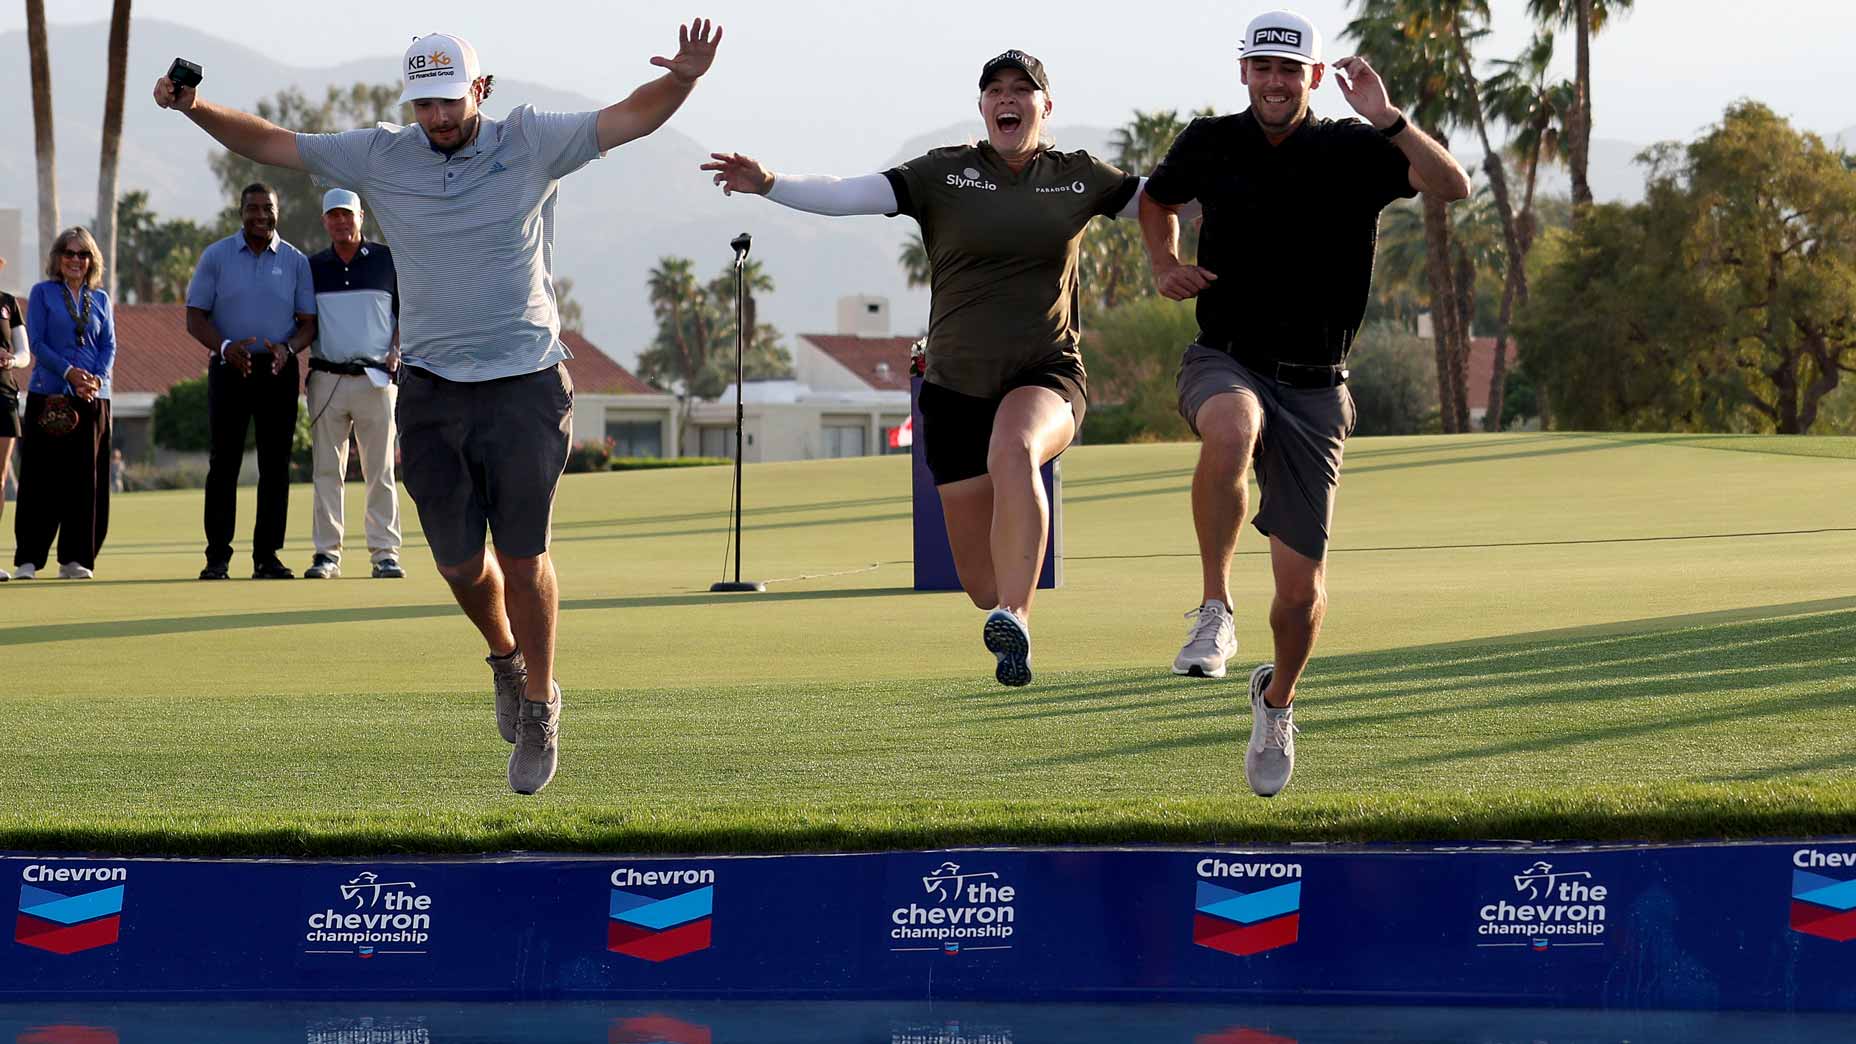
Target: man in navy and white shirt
pixel 486 409
pixel 351 391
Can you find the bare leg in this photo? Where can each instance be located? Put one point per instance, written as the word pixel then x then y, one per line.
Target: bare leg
pixel 1295 617
pixel 6 463
pixel 967 507
pixel 532 601
pixel 477 584
pixel 1032 426
pixel 1228 427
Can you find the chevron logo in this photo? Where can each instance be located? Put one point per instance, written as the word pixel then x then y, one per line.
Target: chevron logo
pixel 1246 923
pixel 65 924
pixel 656 927
pixel 1823 906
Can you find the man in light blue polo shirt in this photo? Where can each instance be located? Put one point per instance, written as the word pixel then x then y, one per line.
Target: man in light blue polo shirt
pixel 485 409
pixel 253 306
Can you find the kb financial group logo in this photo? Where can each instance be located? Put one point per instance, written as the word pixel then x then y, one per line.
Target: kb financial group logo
pixel 1822 905
pixel 655 915
pixel 83 911
pixel 1265 917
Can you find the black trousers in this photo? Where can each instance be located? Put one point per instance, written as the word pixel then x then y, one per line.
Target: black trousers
pixel 234 404
pixel 64 486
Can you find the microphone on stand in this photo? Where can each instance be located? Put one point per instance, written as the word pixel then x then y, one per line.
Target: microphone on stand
pixel 741 244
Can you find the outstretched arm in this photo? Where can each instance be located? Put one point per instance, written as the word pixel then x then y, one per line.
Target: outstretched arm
pixel 1433 169
pixel 250 136
pixel 812 193
pixel 646 108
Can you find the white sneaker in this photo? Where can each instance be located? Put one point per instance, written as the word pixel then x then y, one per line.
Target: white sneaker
pixel 1269 761
pixel 1008 639
pixel 26 572
pixel 5 576
pixel 73 571
pixel 1211 639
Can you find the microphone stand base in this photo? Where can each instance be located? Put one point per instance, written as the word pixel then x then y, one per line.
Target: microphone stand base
pixel 738 585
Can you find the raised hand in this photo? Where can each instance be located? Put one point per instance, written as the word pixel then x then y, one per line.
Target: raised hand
pixel 168 96
pixel 738 173
pixel 695 51
pixel 1365 91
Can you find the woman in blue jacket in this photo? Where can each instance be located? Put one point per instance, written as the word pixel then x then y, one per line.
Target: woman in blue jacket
pixel 64 452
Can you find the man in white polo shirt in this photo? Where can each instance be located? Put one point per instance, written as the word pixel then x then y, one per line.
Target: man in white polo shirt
pixel 351 390
pixel 485 408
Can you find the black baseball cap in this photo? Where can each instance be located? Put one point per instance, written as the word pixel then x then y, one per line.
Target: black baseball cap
pixel 1016 59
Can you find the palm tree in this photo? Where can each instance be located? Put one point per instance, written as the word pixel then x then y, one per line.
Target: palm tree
pixel 754 279
pixel 676 300
pixel 1415 61
pixel 1586 17
pixel 40 57
pixel 1521 96
pixel 914 261
pixel 111 151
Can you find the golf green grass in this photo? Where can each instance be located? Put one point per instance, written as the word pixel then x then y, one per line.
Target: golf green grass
pixel 1530 636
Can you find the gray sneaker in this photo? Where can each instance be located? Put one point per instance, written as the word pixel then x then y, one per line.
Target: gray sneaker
pixel 323 567
pixel 26 572
pixel 1269 761
pixel 1211 639
pixel 511 675
pixel 538 746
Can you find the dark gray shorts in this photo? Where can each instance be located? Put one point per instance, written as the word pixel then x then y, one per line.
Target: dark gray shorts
pixel 483 454
pixel 1298 448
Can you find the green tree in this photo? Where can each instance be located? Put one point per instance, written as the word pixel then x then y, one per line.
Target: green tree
pixel 1112 265
pixel 573 317
pixel 1393 382
pixel 694 350
pixel 156 257
pixel 180 417
pixel 299 210
pixel 109 152
pixel 1133 352
pixel 1720 303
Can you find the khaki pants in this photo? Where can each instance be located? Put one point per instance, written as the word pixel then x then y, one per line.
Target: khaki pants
pixel 340 404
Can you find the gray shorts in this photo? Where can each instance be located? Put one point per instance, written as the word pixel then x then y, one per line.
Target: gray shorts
pixel 484 454
pixel 1298 448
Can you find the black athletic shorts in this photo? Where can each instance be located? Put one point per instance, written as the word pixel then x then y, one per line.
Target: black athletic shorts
pixel 9 415
pixel 479 455
pixel 957 429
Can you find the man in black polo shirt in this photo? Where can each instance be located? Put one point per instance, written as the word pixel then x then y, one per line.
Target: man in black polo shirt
pixel 350 389
pixel 1291 205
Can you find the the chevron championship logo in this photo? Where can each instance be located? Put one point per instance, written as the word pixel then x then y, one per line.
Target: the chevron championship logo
pixel 1256 906
pixel 65 909
pixel 1823 906
pixel 655 915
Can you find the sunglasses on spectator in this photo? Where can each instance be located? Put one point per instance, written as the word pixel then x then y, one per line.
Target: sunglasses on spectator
pixel 85 254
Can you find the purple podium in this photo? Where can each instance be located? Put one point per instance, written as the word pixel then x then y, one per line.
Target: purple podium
pixel 934 560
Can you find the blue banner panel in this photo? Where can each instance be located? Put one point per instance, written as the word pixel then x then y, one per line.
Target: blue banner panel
pixel 1770 926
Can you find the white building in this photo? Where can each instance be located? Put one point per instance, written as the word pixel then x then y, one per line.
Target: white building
pixel 848 394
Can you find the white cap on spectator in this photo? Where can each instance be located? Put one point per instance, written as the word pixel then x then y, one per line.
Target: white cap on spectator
pixel 341 199
pixel 438 65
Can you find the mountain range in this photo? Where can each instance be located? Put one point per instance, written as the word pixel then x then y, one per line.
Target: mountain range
pixel 617 216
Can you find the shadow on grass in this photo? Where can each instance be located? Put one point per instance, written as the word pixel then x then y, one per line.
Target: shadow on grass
pixel 71 632
pixel 1638 682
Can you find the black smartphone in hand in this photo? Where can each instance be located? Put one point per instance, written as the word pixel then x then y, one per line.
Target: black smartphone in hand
pixel 184 73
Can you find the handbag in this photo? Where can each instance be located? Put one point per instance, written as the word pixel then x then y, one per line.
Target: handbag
pixel 59 417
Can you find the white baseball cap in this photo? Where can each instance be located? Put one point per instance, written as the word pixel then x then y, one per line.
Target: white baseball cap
pixel 1283 34
pixel 341 199
pixel 438 65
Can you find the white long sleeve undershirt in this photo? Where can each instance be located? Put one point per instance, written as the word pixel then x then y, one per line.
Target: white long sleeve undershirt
pixel 873 194
pixel 22 349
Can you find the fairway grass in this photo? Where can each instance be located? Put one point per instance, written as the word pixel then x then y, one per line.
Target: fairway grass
pixel 1531 636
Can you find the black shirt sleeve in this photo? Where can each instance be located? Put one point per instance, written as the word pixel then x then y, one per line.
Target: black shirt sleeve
pixel 1175 182
pixel 1116 198
pixel 1382 164
pixel 900 178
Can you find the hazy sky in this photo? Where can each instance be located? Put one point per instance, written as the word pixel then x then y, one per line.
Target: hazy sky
pixel 836 87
